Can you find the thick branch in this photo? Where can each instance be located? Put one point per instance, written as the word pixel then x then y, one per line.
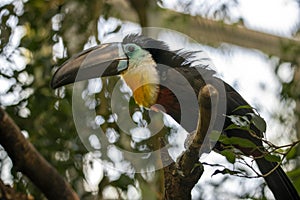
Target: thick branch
pixel 181 177
pixel 27 160
pixel 211 32
pixel 215 33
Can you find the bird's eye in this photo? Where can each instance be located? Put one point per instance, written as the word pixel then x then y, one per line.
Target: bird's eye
pixel 130 48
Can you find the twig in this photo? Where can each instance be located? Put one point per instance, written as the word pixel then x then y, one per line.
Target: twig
pixel 279 163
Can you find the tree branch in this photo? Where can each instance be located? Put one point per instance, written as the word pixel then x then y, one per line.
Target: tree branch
pixel 188 170
pixel 28 160
pixel 210 32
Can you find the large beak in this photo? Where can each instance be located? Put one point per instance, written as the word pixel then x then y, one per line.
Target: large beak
pixel 100 61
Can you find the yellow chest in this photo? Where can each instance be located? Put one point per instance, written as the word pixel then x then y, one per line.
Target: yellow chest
pixel 143 81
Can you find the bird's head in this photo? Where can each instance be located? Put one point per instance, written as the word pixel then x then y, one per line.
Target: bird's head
pixel 132 59
pixel 108 59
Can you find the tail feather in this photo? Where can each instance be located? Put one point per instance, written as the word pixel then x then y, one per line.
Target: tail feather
pixel 278 182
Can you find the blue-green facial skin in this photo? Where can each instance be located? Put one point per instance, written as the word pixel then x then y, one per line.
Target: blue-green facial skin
pixel 132 50
pixel 123 65
pixel 135 54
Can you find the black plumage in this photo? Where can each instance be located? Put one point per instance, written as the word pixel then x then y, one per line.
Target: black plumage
pixel 169 65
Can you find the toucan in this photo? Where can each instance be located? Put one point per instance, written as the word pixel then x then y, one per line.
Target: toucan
pixel 166 80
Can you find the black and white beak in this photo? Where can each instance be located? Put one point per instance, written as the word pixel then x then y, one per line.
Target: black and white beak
pixel 100 61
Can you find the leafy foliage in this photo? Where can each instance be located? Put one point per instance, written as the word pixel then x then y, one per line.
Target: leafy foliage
pixel 37 36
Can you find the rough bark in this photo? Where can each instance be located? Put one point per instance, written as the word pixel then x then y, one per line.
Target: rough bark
pixel 182 175
pixel 27 160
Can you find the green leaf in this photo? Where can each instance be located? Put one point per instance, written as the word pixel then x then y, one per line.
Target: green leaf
pixel 292 154
pixel 272 158
pixel 234 126
pixel 258 122
pixel 242 107
pixel 230 155
pixel 242 142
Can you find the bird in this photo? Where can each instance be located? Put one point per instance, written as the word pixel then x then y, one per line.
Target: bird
pixel 170 81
